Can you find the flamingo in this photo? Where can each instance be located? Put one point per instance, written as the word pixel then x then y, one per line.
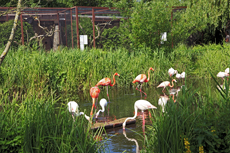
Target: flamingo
pixel 173 92
pixel 73 108
pixel 87 117
pixel 165 84
pixel 142 105
pixel 180 76
pixel 163 101
pixel 222 75
pixel 227 70
pixel 171 72
pixel 103 103
pixel 106 82
pixel 94 93
pixel 142 78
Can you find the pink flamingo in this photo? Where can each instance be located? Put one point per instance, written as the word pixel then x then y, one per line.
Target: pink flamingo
pixel 106 82
pixel 141 78
pixel 142 105
pixel 94 93
pixel 165 84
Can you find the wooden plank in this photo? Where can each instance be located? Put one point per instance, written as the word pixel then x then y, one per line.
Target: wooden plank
pixel 112 124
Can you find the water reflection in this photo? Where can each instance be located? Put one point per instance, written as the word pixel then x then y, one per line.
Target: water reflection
pixel 134 140
pixel 117 143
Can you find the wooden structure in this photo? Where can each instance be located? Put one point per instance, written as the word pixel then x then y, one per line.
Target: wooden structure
pixel 64 18
pixel 112 124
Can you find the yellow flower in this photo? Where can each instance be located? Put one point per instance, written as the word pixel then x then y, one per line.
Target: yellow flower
pixel 201 149
pixel 187 145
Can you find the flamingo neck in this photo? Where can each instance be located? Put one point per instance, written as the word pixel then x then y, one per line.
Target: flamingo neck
pixel 130 118
pixel 114 81
pixel 87 117
pixel 171 85
pixel 148 75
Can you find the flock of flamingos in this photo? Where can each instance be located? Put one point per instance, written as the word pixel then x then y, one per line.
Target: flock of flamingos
pixel 139 104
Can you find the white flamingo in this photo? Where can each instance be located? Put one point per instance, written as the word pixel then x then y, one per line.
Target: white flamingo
pixel 165 84
pixel 142 105
pixel 103 103
pixel 163 101
pixel 227 70
pixel 73 108
pixel 171 72
pixel 222 75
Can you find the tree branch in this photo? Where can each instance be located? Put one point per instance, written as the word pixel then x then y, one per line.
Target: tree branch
pixel 12 32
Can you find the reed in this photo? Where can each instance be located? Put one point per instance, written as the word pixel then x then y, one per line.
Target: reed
pixel 38 125
pixel 195 123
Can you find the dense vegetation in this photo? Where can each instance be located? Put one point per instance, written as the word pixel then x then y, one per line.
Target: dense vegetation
pixel 37 78
pixel 32 81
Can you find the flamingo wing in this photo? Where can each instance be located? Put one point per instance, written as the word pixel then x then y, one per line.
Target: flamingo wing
pixel 183 75
pixel 94 92
pixel 144 105
pixel 140 78
pixel 104 82
pixel 221 74
pixel 72 106
pixel 163 84
pixel 178 76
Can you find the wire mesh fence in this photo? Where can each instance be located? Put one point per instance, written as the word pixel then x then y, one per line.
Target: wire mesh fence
pixel 72 27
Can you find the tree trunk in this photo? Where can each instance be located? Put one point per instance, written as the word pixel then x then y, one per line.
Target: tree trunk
pixel 56 38
pixel 12 32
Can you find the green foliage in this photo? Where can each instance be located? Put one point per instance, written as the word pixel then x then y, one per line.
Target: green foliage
pixel 147 20
pixel 194 121
pixel 7 26
pixel 85 28
pixel 114 37
pixel 38 125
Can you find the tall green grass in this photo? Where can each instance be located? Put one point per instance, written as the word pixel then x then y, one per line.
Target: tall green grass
pixel 71 70
pixel 38 125
pixel 195 121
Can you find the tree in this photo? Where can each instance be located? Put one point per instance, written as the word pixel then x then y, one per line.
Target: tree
pixel 147 20
pixel 12 32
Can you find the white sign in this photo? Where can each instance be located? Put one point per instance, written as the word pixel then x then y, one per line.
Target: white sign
pixel 83 41
pixel 163 37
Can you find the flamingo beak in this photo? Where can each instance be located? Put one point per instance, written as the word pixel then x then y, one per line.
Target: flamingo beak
pixel 170 74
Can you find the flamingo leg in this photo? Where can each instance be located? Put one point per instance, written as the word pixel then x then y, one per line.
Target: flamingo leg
pixel 107 88
pixel 142 91
pixel 91 113
pixel 96 103
pixel 143 119
pixel 73 117
pixel 108 98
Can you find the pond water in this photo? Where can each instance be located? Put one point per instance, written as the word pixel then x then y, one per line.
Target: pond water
pixel 122 105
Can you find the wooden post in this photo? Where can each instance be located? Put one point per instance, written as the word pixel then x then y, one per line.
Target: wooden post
pixel 66 31
pixel 77 27
pixel 93 28
pixel 22 34
pixel 71 27
pixel 59 29
pixel 56 38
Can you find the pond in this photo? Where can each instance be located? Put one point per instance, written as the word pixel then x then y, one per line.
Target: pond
pixel 122 105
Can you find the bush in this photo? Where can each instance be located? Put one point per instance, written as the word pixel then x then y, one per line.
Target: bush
pixel 5 34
